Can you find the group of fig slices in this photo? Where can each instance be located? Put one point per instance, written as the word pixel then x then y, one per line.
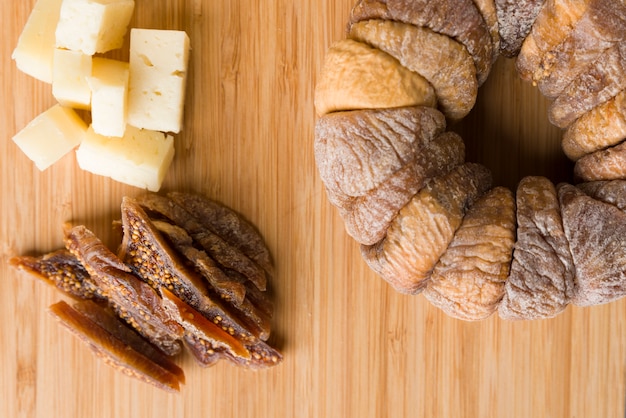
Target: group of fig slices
pixel 428 221
pixel 189 272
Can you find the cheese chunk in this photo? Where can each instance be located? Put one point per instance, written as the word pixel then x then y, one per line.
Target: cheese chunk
pixel 69 78
pixel 140 158
pixel 158 74
pixel 51 135
pixel 34 52
pixel 109 90
pixel 93 26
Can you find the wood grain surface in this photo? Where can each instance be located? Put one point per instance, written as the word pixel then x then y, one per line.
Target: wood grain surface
pixel 352 346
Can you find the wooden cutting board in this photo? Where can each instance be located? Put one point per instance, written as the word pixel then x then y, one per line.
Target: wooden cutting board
pixel 352 346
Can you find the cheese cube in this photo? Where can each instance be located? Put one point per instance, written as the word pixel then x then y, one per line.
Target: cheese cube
pixel 33 54
pixel 69 78
pixel 92 26
pixel 109 89
pixel 158 75
pixel 51 135
pixel 140 158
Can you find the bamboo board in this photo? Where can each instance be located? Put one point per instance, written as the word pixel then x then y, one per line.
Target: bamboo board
pixel 352 346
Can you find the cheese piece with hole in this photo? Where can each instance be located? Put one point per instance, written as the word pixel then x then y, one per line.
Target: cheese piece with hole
pixel 109 92
pixel 93 26
pixel 34 52
pixel 158 74
pixel 70 70
pixel 140 158
pixel 51 135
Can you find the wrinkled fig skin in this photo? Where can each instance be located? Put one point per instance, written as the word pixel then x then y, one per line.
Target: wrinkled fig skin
pixel 595 231
pixel 423 229
pixel 468 281
pixel 115 351
pixel 541 282
pixel 612 192
pixel 459 19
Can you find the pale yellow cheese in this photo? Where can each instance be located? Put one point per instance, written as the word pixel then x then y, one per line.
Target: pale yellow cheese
pixel 34 52
pixel 140 158
pixel 69 78
pixel 158 74
pixel 51 135
pixel 109 90
pixel 93 26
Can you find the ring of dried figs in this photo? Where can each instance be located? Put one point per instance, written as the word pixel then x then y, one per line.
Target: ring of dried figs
pixel 428 221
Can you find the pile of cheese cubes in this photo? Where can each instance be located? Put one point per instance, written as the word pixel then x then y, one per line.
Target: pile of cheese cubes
pixel 134 106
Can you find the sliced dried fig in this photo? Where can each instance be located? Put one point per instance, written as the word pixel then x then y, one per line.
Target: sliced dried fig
pixel 106 319
pixel 595 231
pixel 228 225
pixel 541 282
pixel 183 243
pixel 468 281
pixel 135 301
pixel 421 232
pixel 218 249
pixel 217 339
pixel 151 257
pixel 63 270
pixel 114 351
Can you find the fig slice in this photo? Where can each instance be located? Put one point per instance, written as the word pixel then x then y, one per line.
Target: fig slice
pixel 113 350
pixel 135 301
pixel 221 251
pixel 219 340
pixel 62 270
pixel 154 260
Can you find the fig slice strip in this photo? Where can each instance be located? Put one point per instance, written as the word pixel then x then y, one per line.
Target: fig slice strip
pixel 218 249
pixel 229 225
pixel 114 351
pixel 107 319
pixel 183 243
pixel 62 270
pixel 218 341
pixel 135 301
pixel 154 261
